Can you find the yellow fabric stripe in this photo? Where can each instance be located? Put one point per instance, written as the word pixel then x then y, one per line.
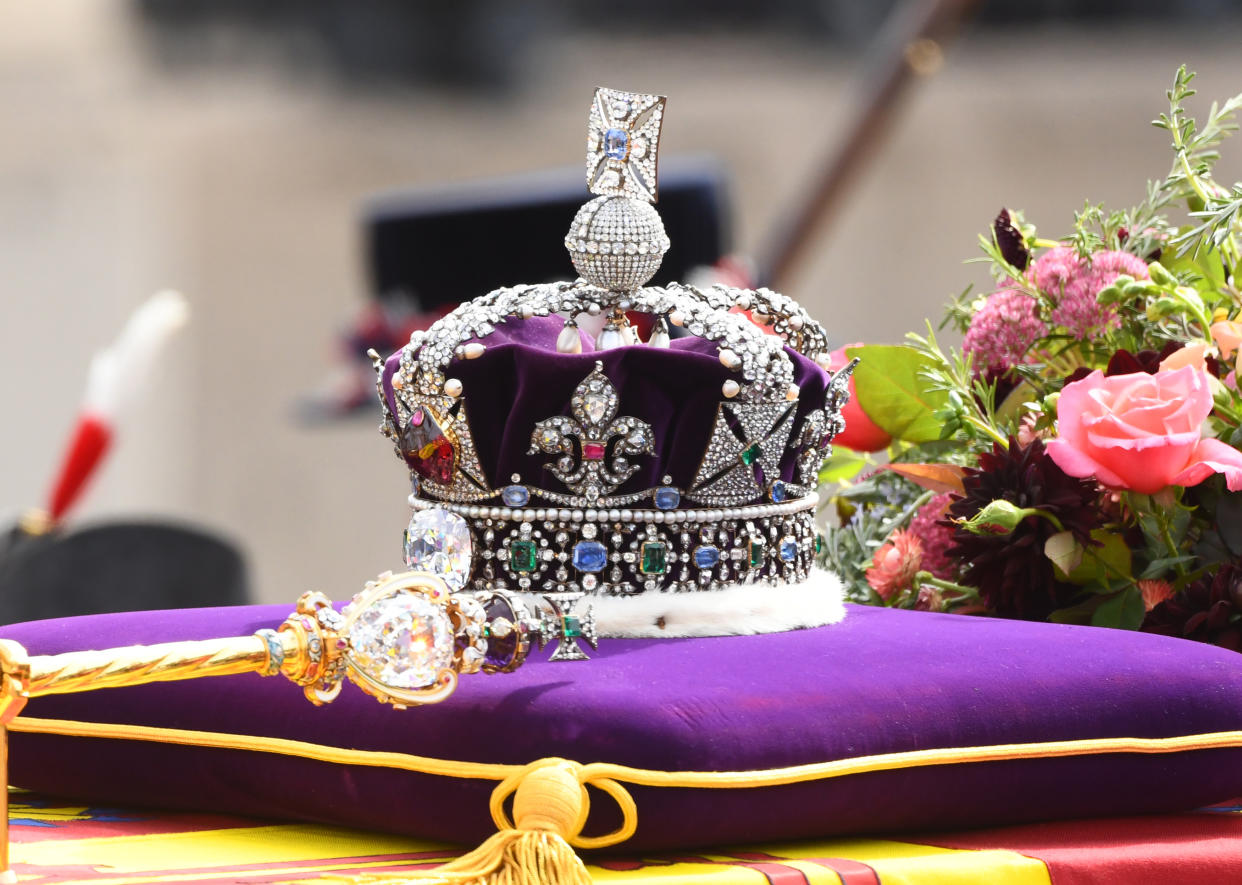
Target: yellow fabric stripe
pixel 964 868
pixel 641 776
pixel 141 859
pixel 690 874
pixel 241 846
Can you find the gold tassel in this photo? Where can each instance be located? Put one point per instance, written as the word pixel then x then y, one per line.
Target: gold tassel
pixel 550 807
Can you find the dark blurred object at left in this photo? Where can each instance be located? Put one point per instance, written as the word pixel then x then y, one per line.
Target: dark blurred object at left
pixel 116 567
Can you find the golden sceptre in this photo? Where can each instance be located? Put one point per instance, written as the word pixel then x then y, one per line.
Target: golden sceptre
pixel 404 640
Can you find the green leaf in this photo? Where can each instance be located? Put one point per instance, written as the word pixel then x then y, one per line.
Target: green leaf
pixel 1124 610
pixel 1207 265
pixel 1077 614
pixel 842 465
pixel 1158 568
pixel 1229 521
pixel 894 393
pixel 1109 561
pixel 1064 551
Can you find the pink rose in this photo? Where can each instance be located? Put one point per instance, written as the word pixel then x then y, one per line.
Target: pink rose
pixel 1141 432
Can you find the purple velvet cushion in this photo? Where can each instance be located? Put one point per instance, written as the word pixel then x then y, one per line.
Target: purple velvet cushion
pixel 881 681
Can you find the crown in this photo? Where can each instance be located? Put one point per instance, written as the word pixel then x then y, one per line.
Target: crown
pixel 650 476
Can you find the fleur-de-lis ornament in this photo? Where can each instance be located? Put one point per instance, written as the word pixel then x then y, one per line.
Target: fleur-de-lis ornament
pixel 595 446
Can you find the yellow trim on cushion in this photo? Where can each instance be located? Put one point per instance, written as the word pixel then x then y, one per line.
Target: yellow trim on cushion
pixel 608 776
pixel 260 744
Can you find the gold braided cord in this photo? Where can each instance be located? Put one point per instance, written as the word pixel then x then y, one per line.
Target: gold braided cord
pixel 609 777
pixel 281 746
pixel 83 670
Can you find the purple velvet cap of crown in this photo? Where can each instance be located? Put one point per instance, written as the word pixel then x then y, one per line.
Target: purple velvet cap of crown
pixel 882 681
pixel 521 379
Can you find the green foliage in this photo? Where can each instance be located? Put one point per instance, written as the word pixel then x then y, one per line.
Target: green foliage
pixel 1103 564
pixel 1123 609
pixel 841 466
pixel 1195 153
pixel 893 390
pixel 868 512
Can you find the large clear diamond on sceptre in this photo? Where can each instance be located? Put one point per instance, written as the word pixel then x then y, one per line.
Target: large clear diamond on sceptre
pixel 402 641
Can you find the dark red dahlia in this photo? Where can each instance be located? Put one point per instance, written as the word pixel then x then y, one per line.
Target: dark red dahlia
pixel 1208 610
pixel 1009 240
pixel 1011 571
pixel 1125 363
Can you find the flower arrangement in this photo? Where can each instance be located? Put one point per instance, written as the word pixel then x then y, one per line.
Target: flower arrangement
pixel 1076 459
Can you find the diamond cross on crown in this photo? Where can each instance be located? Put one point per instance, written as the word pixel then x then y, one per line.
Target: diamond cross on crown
pixel 623 140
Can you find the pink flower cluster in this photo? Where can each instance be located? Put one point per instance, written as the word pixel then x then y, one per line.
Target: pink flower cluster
pixel 935 536
pixel 1003 330
pixel 1072 282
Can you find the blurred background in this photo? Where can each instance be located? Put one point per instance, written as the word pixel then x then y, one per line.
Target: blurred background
pixel 230 150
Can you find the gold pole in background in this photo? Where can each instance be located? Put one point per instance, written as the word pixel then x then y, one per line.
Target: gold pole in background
pixel 909 46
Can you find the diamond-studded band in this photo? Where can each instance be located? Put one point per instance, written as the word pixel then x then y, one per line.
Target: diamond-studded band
pixel 618 552
pixel 604 514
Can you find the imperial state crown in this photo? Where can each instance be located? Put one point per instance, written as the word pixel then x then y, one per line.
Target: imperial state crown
pixel 554 452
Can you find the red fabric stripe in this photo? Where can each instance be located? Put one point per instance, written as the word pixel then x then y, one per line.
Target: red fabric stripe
pixel 776 873
pixel 851 872
pixel 1200 848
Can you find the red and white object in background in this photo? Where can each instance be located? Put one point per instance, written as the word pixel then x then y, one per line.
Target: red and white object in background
pixel 736 271
pixel 117 377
